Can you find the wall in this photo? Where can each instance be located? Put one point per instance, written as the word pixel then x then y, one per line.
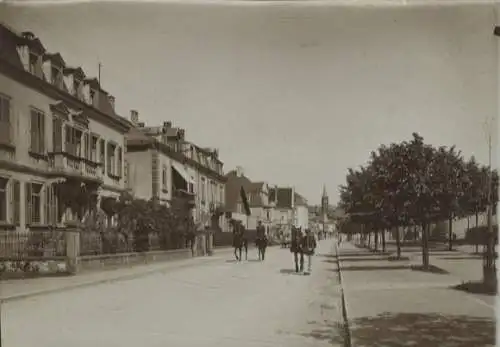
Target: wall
pixel 302 216
pixel 140 175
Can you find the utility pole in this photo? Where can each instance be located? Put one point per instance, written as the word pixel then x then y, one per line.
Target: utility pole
pixel 99 79
pixel 489 271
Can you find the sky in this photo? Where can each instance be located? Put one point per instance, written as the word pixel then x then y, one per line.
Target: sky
pixel 295 94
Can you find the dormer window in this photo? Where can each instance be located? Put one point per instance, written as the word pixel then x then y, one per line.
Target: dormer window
pixel 93 97
pixel 34 61
pixel 78 88
pixel 57 76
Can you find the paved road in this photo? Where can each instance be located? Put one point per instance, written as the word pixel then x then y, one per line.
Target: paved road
pixel 223 304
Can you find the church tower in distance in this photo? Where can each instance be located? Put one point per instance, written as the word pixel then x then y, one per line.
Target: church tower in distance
pixel 324 205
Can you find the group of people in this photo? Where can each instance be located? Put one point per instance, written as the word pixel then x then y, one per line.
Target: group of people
pixel 302 244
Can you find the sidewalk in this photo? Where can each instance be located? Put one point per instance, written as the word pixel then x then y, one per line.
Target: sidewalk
pixel 11 290
pixel 388 304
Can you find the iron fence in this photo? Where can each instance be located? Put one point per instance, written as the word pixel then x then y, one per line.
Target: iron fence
pixel 32 245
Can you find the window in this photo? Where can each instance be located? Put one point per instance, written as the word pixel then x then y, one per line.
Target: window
pixel 111 164
pixel 86 146
pixel 93 149
pixel 37 144
pixel 120 162
pixel 33 203
pixel 16 201
pixel 164 178
pixel 93 97
pixel 34 60
pixel 102 154
pixel 5 133
pixel 203 192
pixel 57 126
pixel 73 141
pixel 191 188
pixel 57 78
pixel 51 212
pixel 221 194
pixel 77 88
pixel 3 199
pixel 126 174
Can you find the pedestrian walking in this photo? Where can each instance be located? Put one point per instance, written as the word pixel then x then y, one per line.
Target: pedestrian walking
pixel 308 248
pixel 296 249
pixel 261 240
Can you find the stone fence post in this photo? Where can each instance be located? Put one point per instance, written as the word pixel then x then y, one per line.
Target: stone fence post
pixel 72 251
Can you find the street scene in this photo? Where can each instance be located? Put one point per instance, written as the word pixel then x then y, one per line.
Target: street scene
pixel 252 173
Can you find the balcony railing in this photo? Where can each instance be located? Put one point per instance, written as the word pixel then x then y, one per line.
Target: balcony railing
pixel 66 163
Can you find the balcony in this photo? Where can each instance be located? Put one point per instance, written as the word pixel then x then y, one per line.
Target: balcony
pixel 67 164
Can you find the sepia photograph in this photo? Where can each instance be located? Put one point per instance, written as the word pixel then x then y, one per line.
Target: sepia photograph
pixel 254 173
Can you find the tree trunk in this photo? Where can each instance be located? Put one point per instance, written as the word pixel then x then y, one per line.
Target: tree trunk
pixel 383 240
pixel 476 238
pixel 369 239
pixel 489 268
pixel 415 238
pixel 450 234
pixel 398 243
pixel 375 239
pixel 425 246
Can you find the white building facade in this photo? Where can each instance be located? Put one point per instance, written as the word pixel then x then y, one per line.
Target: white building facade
pixel 162 164
pixel 61 142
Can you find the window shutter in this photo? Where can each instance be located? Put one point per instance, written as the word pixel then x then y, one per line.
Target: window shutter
pixel 31 127
pixel 85 148
pixel 10 192
pixel 28 203
pixel 57 137
pixel 45 205
pixel 41 133
pixel 17 201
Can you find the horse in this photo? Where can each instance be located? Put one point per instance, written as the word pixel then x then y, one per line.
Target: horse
pixel 238 241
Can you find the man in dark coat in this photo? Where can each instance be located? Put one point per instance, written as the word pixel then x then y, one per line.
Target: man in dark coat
pixel 261 240
pixel 296 249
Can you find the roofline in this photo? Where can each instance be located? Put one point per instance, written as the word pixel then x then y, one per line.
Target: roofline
pixel 47 89
pixel 150 143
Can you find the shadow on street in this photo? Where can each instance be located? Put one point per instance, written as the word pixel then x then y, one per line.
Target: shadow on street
pixel 422 330
pixel 470 257
pixel 363 259
pixel 373 268
pixel 290 272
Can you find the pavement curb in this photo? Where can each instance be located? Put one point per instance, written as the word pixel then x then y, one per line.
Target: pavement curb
pixel 168 266
pixel 346 327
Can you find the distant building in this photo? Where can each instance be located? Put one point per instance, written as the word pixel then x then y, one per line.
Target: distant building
pixel 260 207
pixel 283 213
pixel 301 212
pixel 162 164
pixel 61 141
pixel 237 205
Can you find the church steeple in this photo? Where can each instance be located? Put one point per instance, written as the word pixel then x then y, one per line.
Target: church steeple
pixel 324 204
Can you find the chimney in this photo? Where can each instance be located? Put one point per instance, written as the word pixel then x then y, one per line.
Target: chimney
pixel 239 171
pixel 111 99
pixel 182 133
pixel 134 116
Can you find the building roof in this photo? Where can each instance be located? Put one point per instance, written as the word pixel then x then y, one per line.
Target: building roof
pixel 282 197
pixel 300 200
pixel 11 62
pixel 234 184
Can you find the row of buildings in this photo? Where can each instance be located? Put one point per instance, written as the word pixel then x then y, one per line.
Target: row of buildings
pixel 64 148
